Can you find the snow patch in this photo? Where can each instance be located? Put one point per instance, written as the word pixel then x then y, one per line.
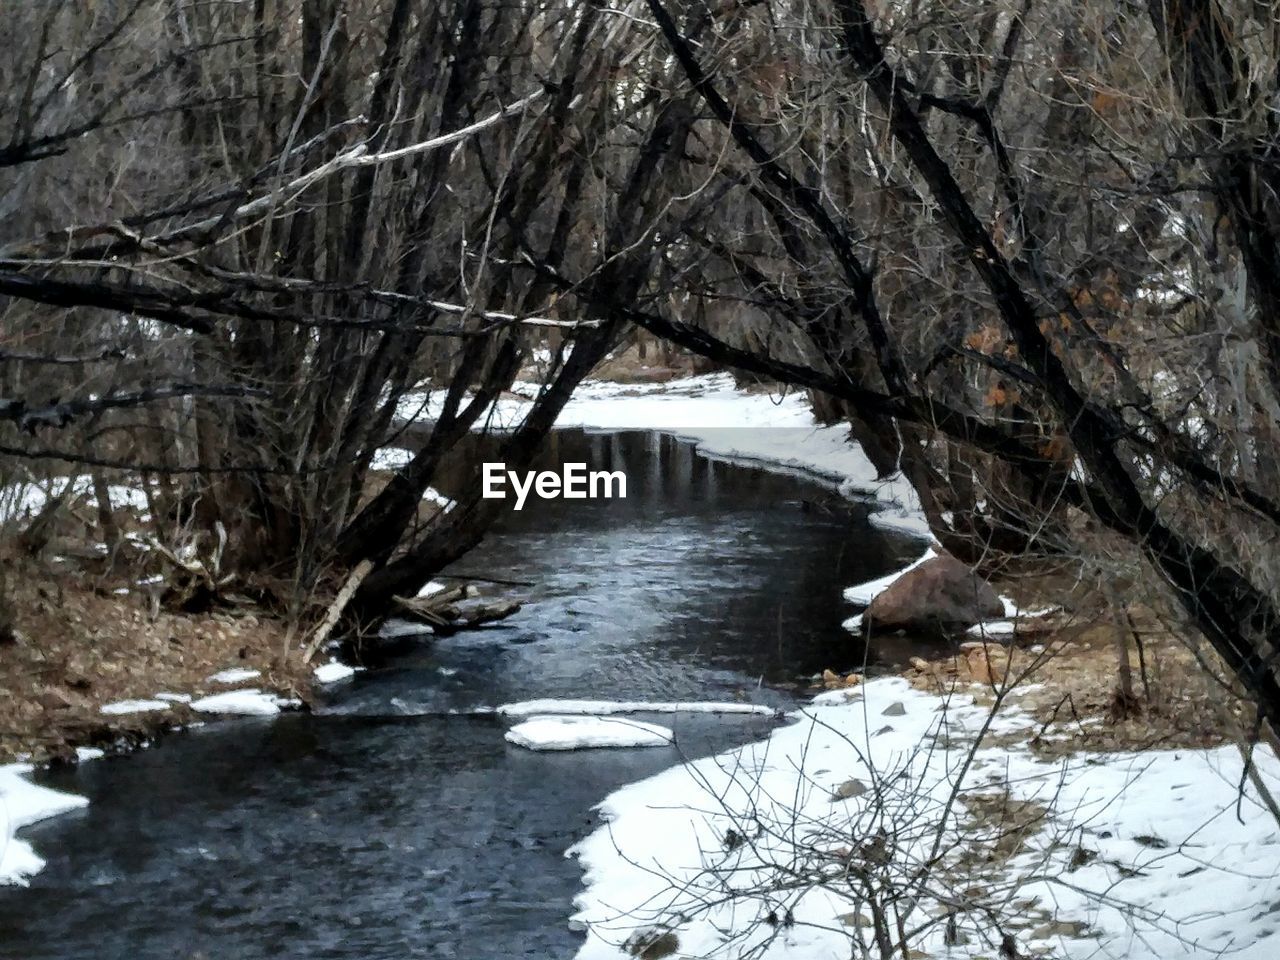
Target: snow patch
pixel 120 707
pixel 864 593
pixel 333 671
pixel 249 703
pixel 432 495
pixel 235 675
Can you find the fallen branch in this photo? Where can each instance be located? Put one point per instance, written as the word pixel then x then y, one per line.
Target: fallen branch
pixel 334 613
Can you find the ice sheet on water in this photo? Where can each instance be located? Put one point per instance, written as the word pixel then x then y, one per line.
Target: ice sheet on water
pixel 600 708
pixel 579 732
pixel 23 803
pixel 251 702
pixel 333 671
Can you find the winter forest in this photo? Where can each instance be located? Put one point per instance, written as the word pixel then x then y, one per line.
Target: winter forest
pixel 763 479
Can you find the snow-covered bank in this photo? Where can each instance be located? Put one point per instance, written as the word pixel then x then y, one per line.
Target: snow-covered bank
pixel 725 422
pixel 788 847
pixel 730 423
pixel 23 803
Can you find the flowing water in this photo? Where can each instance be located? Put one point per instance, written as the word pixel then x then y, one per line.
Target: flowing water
pixel 392 823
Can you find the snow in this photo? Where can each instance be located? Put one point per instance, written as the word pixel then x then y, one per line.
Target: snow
pixel 864 593
pixel 578 732
pixel 235 675
pixel 26 500
pixel 1007 626
pixel 993 628
pixel 84 754
pixel 333 671
pixel 432 495
pixel 174 697
pixel 390 458
pixel 1140 855
pixel 133 706
pixel 250 702
pixel 599 708
pixel 23 803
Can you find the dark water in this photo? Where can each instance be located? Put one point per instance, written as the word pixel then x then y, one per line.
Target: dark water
pixel 381 827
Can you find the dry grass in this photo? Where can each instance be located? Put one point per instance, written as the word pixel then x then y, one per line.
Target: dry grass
pixel 1070 675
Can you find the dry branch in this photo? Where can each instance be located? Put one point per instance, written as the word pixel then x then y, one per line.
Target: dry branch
pixel 334 613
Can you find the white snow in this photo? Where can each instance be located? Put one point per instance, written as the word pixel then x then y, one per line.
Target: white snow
pixel 864 593
pixel 250 702
pixel 333 671
pixel 23 803
pixel 235 675
pixel 993 628
pixel 1007 626
pixel 390 458
pixel 84 754
pixel 25 500
pixel 133 706
pixel 579 732
pixel 600 708
pixel 432 495
pixel 1138 855
pixel 174 697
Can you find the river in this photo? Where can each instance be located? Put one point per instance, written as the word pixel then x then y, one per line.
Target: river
pixel 393 822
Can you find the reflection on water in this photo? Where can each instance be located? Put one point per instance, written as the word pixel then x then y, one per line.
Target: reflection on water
pixel 379 828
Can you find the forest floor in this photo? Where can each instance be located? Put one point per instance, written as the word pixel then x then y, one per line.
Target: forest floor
pixel 1069 685
pixel 82 647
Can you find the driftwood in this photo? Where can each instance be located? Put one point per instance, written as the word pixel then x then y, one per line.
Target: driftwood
pixel 458 608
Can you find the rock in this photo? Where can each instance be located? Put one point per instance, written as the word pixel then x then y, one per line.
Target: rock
pixel 895 709
pixel 855 919
pixel 848 790
pixel 1073 929
pixel 54 699
pixel 834 681
pixel 941 596
pixel 652 944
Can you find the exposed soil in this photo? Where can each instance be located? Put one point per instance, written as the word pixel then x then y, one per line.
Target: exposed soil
pixel 1064 670
pixel 78 645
